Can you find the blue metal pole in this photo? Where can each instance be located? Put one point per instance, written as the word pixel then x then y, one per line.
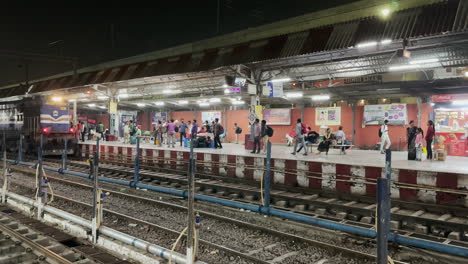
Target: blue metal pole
pixel 383 220
pixel 266 197
pixel 388 175
pixel 136 172
pixel 39 160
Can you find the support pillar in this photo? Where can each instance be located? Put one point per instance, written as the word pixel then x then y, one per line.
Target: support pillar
pixel 65 154
pixel 75 111
pixel 5 180
pixel 383 210
pixel 136 172
pixel 96 195
pixel 354 123
pixel 419 103
pixel 266 197
pixel 20 148
pixel 190 208
pixel 39 178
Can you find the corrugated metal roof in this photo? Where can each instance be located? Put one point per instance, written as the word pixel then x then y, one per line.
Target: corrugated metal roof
pixel 451 15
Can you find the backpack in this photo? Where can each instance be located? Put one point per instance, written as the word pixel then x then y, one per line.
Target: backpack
pixel 304 128
pixel 176 129
pixel 269 131
pixel 238 130
pixel 380 132
pixel 220 129
pixel 134 130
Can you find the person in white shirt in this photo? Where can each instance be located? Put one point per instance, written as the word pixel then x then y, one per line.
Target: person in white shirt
pixel 341 138
pixel 126 131
pixel 385 137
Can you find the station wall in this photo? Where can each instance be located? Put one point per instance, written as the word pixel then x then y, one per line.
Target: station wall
pixel 366 137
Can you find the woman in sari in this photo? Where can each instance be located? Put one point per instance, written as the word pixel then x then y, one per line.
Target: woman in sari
pixel 324 146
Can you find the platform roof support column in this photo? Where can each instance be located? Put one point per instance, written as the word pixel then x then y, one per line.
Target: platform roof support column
pixel 354 123
pixel 190 208
pixel 419 103
pixel 75 112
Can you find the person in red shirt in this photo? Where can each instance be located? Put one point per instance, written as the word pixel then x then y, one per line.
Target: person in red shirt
pixel 429 138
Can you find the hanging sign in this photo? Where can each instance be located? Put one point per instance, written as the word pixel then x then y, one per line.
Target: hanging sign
pixel 275 89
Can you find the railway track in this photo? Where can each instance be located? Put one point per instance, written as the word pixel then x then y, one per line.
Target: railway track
pixel 267 245
pixel 25 240
pixel 446 223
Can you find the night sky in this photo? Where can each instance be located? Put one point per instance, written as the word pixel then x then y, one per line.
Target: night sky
pixel 98 34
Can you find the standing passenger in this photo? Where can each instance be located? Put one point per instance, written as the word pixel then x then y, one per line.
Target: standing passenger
pixel 194 129
pixel 265 135
pixel 182 131
pixel 299 137
pixel 419 143
pixel 126 131
pixel 429 137
pixel 217 131
pixel 257 131
pixel 385 137
pixel 237 132
pixel 170 127
pixel 411 136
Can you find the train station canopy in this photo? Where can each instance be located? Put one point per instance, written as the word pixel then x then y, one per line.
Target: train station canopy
pixel 362 50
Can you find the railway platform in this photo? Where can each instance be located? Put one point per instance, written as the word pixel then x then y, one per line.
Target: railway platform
pixel 441 182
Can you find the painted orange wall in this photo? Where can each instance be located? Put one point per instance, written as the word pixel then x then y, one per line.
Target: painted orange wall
pixel 366 137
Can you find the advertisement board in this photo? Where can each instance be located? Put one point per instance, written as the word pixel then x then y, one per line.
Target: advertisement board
pixel 158 116
pixel 277 116
pixel 328 116
pixel 396 114
pixel 210 116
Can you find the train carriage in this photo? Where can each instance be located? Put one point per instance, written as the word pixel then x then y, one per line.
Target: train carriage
pixel 29 117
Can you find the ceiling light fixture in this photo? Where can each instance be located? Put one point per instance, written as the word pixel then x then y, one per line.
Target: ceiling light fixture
pixel 215 100
pixel 385 41
pixel 204 104
pixel 92 105
pixel 57 99
pixel 71 100
pixel 226 91
pixel 281 80
pixel 123 95
pixel 366 44
pixel 141 104
pixel 404 67
pixel 225 86
pixel 294 95
pixel 102 107
pixel 238 102
pixel 385 12
pixel 321 97
pixel 183 102
pixel 412 62
pixel 159 103
pixel 102 97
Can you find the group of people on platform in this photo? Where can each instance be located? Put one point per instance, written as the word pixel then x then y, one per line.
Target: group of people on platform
pixel 200 135
pixel 88 132
pixel 303 136
pixel 415 138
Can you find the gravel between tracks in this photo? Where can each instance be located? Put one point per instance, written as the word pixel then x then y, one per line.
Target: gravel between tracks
pixel 227 234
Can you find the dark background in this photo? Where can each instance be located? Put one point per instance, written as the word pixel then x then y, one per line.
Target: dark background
pixel 99 34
